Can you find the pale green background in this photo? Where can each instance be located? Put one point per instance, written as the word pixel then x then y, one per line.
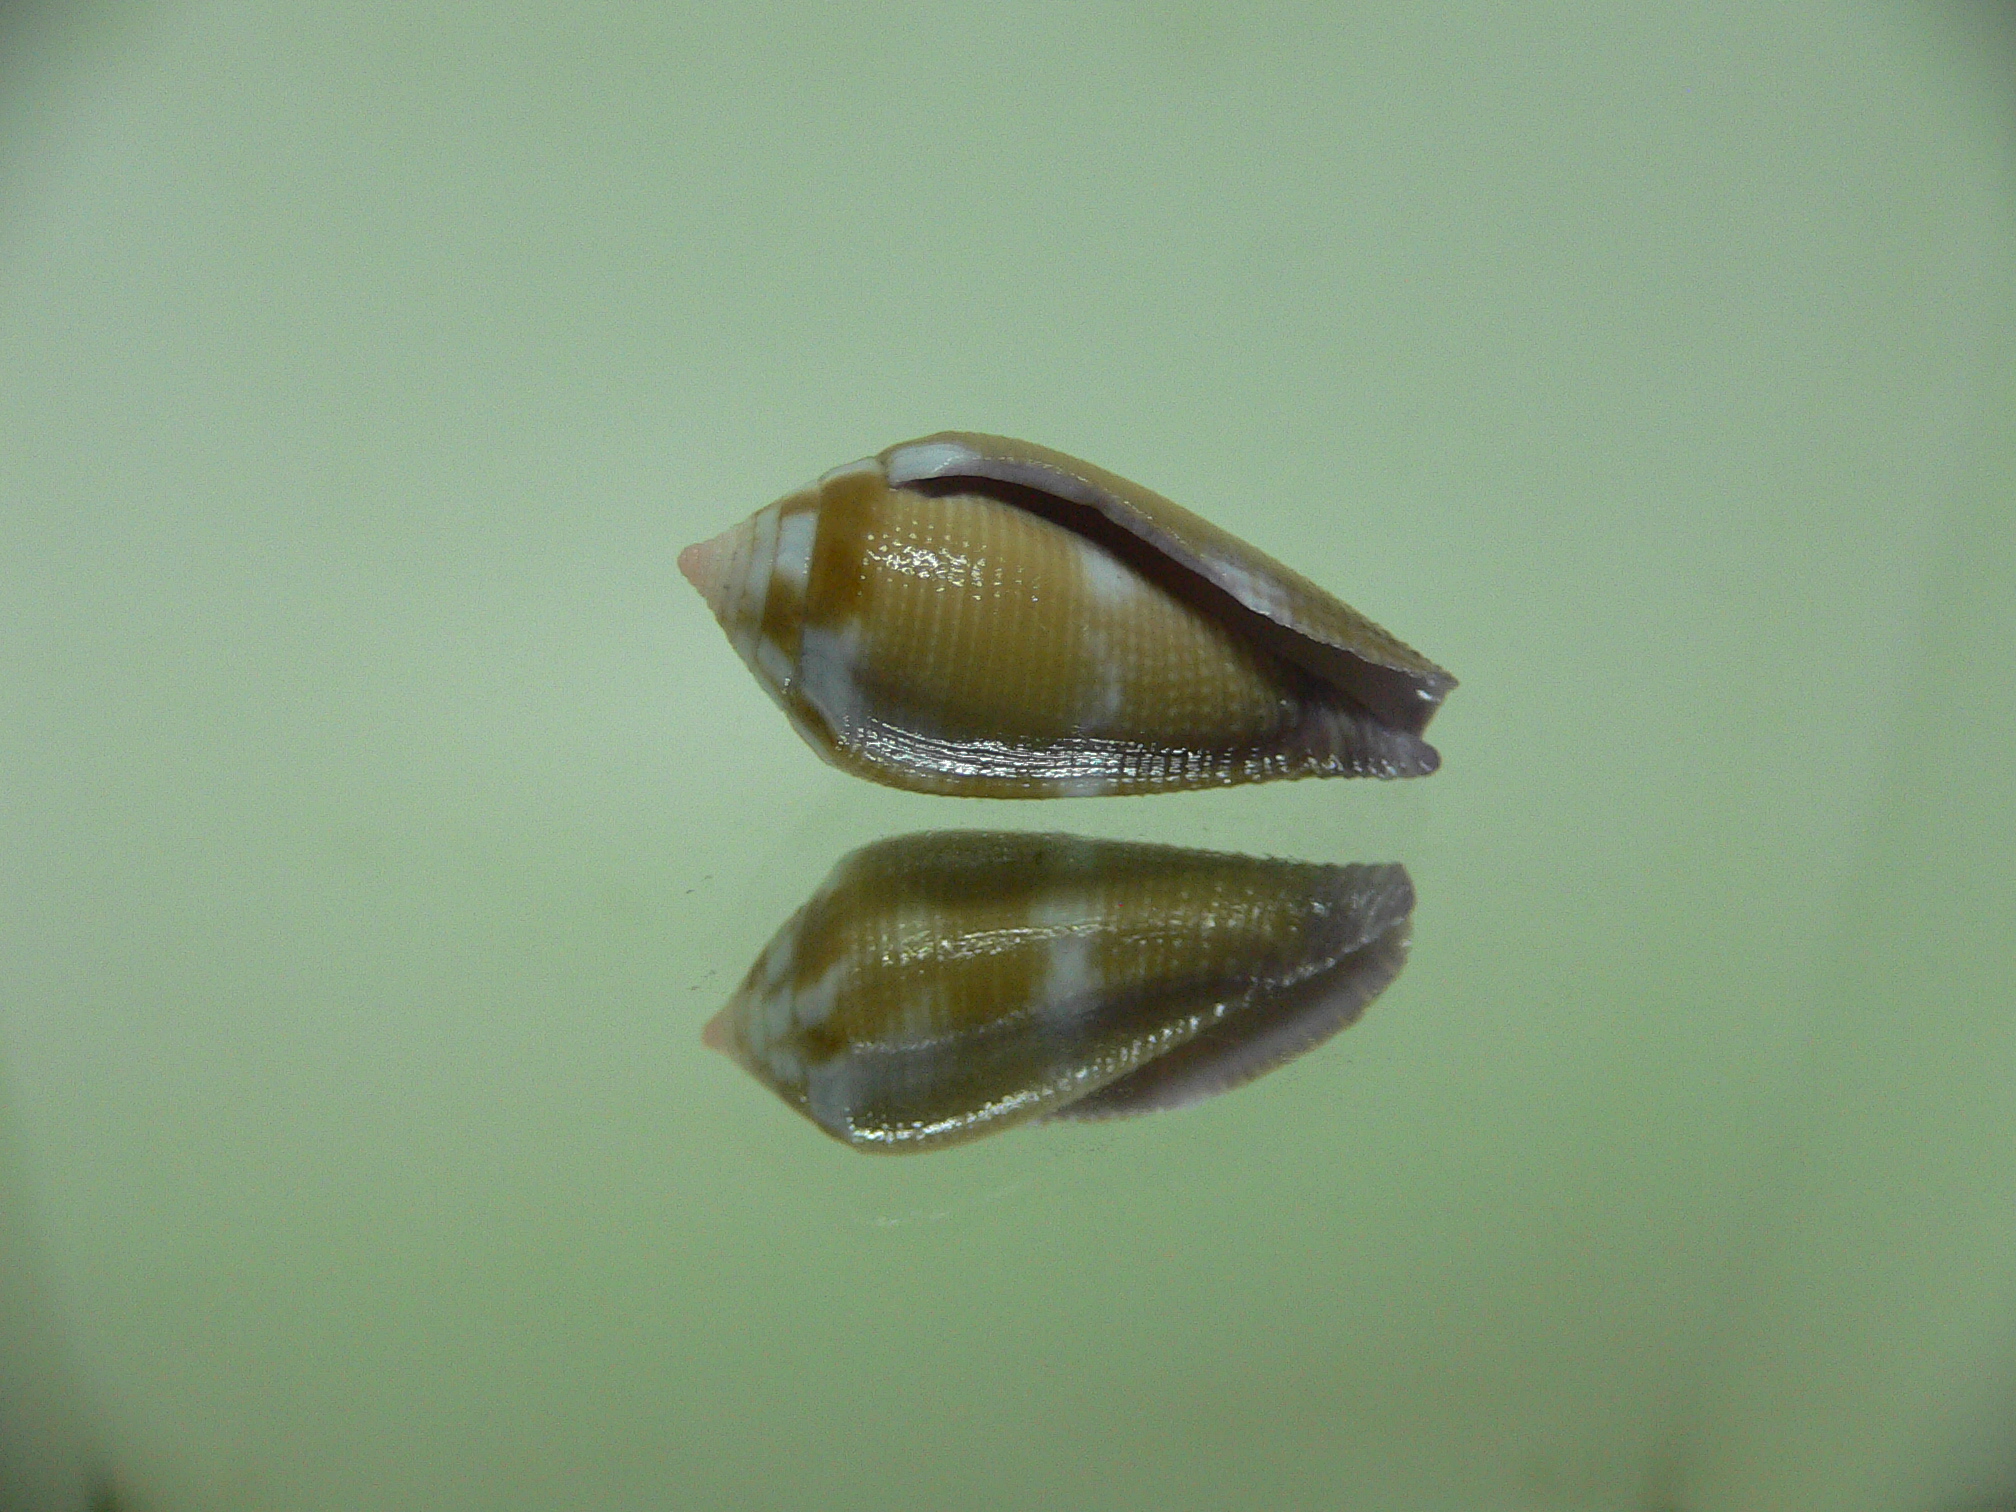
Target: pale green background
pixel 380 816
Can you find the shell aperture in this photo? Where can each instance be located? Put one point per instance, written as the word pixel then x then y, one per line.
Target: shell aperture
pixel 943 986
pixel 976 616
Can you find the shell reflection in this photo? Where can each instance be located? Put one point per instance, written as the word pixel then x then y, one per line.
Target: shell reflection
pixel 984 617
pixel 943 986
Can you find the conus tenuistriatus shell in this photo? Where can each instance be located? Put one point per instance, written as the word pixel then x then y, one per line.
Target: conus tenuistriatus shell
pixel 971 615
pixel 939 987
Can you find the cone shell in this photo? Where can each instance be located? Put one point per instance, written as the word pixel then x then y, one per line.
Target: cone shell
pixel 940 987
pixel 975 616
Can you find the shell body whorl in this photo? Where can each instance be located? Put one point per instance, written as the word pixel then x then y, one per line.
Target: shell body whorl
pixel 975 616
pixel 943 986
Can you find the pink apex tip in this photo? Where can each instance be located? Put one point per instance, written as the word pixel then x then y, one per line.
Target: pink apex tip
pixel 716 567
pixel 715 1035
pixel 696 563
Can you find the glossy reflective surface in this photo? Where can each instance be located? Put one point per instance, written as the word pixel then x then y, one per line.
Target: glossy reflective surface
pixel 979 617
pixel 941 987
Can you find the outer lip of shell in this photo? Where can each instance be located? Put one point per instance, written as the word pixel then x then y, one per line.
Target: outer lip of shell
pixel 844 1014
pixel 1224 575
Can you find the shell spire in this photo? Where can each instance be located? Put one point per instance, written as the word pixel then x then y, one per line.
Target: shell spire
pixel 700 565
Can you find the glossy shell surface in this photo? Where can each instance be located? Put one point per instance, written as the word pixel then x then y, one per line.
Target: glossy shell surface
pixel 943 986
pixel 977 616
